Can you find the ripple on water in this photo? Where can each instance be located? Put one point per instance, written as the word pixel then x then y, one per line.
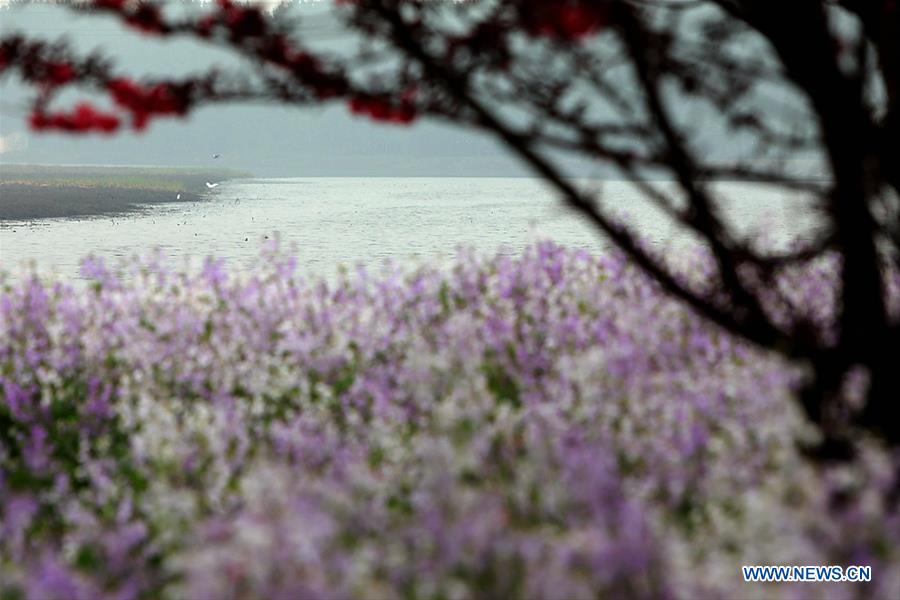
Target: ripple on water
pixel 353 220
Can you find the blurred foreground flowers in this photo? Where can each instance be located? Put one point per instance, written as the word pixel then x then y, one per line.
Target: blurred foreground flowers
pixel 545 426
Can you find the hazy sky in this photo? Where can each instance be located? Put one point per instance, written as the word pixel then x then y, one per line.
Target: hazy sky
pixel 272 140
pixel 267 140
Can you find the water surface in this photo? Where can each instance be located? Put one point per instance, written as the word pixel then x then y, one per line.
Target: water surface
pixel 352 220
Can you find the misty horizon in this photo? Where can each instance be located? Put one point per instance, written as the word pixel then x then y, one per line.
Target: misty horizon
pixel 265 139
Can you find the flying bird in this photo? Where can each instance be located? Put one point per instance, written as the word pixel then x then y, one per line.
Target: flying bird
pixel 216 155
pixel 178 197
pixel 211 185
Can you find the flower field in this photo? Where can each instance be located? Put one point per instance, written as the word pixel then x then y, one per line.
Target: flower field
pixel 546 425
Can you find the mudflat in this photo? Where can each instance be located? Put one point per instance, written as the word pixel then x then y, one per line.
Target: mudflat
pixel 38 192
pixel 19 202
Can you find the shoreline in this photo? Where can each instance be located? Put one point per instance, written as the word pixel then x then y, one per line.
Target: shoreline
pixel 30 192
pixel 25 202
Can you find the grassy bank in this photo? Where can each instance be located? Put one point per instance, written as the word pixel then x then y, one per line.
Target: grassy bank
pixel 37 192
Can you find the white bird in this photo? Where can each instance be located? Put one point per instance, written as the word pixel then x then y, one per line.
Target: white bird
pixel 178 197
pixel 211 185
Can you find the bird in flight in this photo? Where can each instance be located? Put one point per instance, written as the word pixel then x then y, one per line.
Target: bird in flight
pixel 216 155
pixel 211 185
pixel 178 197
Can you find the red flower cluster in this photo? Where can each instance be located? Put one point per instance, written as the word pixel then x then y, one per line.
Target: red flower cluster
pixel 204 26
pixel 57 73
pixel 144 17
pixel 381 110
pixel 147 19
pixel 145 102
pixel 82 119
pixel 241 22
pixel 110 4
pixel 572 19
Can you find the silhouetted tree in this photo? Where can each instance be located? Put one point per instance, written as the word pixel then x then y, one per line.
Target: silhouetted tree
pixel 613 83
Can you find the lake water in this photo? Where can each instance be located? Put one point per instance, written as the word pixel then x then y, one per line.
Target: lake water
pixel 367 220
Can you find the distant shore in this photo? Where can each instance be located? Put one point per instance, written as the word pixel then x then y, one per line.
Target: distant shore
pixel 22 202
pixel 42 192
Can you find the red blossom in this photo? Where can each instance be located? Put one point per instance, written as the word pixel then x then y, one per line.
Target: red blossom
pixel 205 25
pixel 244 22
pixel 58 73
pixel 144 102
pixel 382 110
pixel 82 119
pixel 110 4
pixel 144 17
pixel 572 19
pixel 147 19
